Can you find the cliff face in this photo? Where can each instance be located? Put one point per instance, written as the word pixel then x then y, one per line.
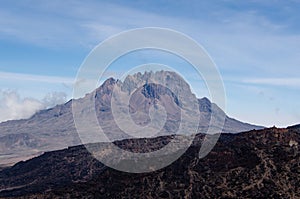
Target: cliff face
pixel 254 164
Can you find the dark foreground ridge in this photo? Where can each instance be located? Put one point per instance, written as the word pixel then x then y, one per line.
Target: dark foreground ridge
pixel 254 164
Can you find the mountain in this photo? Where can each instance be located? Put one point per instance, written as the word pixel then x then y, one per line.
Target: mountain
pixel 255 164
pixel 54 128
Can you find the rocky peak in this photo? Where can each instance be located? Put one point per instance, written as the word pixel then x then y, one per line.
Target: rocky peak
pixel 167 78
pixel 106 87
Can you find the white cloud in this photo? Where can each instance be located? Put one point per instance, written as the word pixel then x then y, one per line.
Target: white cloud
pixel 54 98
pixel 287 82
pixel 13 106
pixel 36 78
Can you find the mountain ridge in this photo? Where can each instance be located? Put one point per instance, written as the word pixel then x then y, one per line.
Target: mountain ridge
pixel 54 128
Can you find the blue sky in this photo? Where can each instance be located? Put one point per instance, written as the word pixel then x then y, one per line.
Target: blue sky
pixel 255 45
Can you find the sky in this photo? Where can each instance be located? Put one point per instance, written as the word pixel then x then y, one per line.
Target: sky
pixel 254 44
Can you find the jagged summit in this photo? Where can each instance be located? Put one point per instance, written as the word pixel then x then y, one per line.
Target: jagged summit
pixel 170 79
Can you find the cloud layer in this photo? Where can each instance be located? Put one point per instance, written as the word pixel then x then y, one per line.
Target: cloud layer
pixel 13 106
